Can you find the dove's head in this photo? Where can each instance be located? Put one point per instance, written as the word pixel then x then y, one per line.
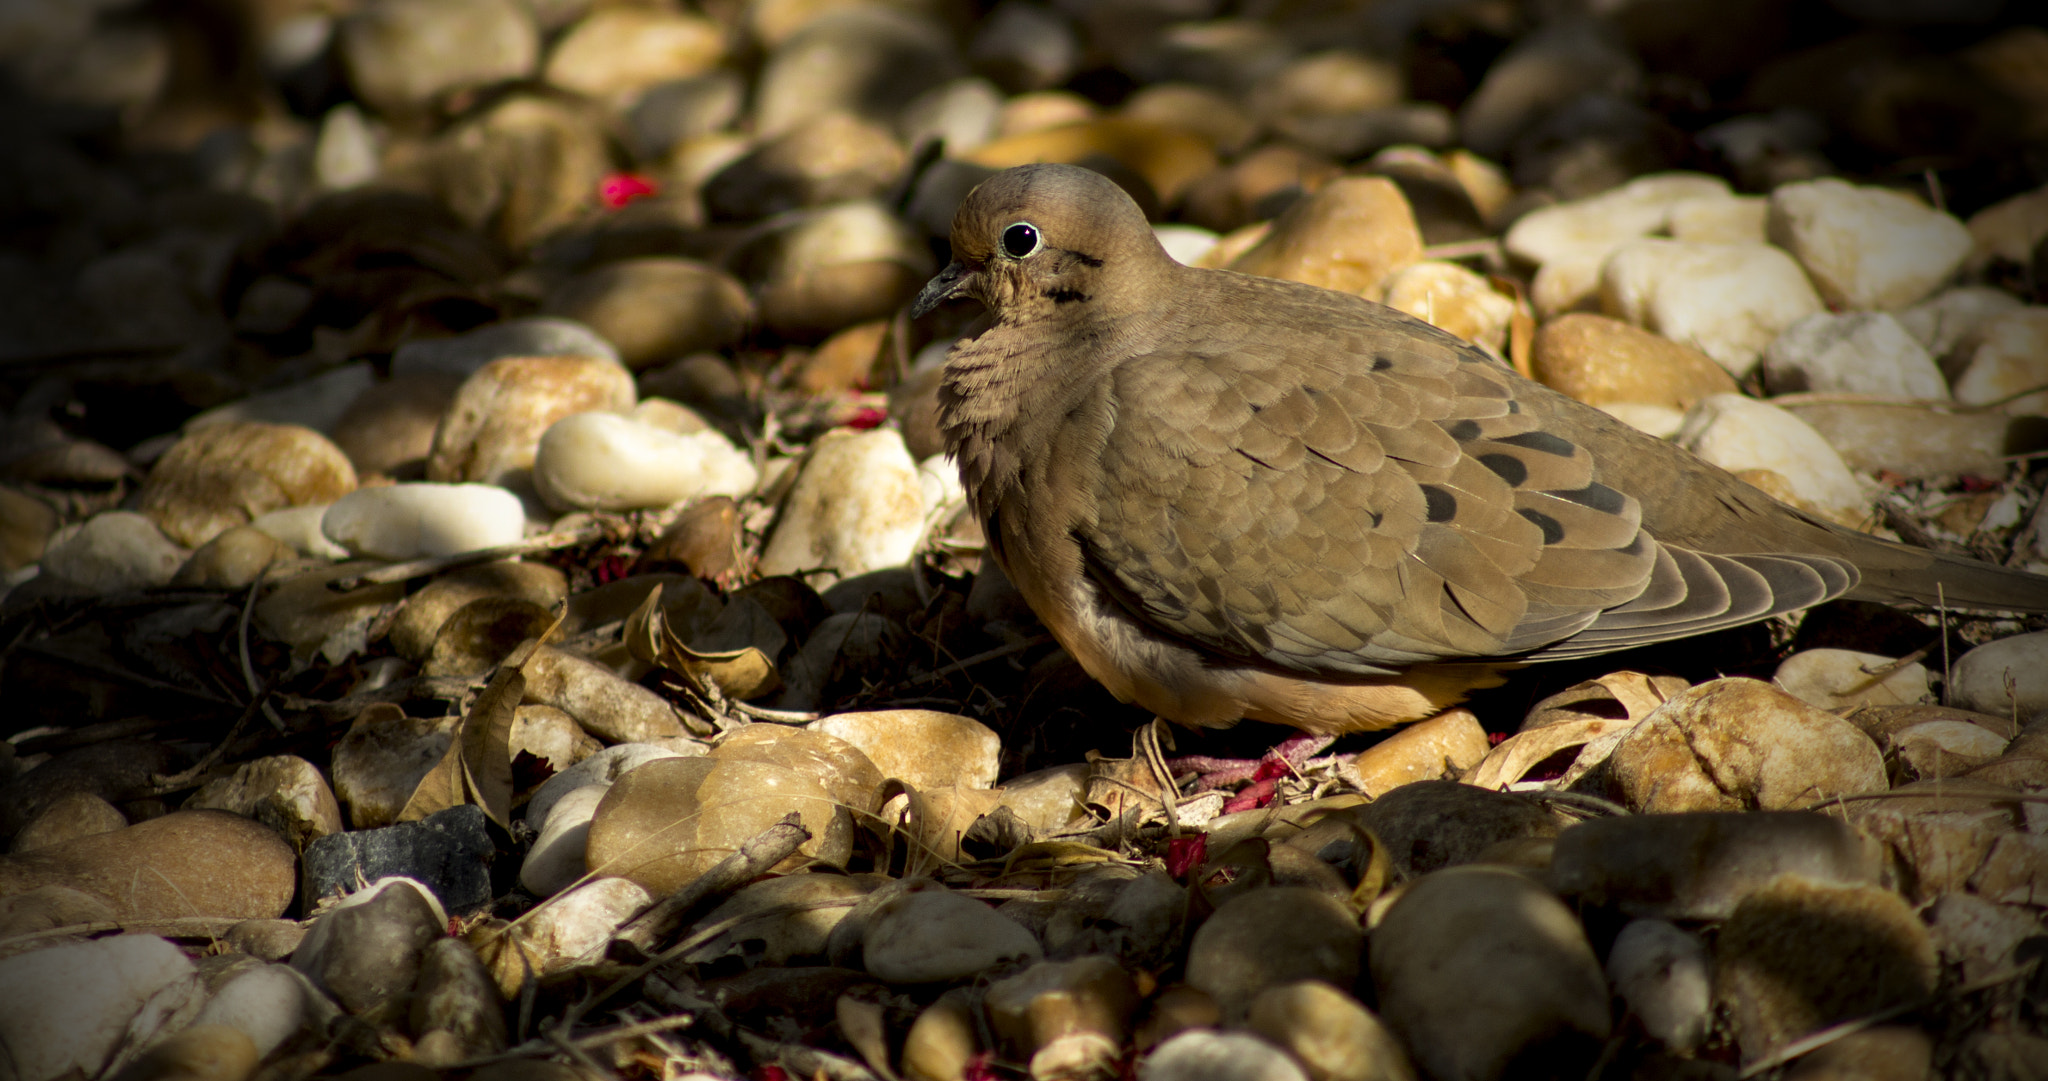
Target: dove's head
pixel 1046 238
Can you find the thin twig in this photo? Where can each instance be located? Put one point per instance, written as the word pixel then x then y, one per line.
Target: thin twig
pixel 983 657
pixel 751 860
pixel 1817 1040
pixel 184 778
pixel 421 568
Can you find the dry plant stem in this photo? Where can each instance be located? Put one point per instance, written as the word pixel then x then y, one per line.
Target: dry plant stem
pixel 535 1048
pixel 420 568
pixel 1816 1041
pixel 183 779
pixel 981 658
pixel 761 852
pixel 1169 793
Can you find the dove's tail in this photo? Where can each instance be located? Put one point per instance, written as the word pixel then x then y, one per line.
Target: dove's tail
pixel 1901 574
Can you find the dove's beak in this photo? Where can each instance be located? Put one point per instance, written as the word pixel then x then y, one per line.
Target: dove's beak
pixel 947 284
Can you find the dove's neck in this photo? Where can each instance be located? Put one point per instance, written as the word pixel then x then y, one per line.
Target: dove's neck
pixel 1035 385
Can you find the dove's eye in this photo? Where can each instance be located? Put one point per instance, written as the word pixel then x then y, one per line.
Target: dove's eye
pixel 1021 240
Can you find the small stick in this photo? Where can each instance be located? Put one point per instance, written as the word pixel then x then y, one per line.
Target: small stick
pixel 420 568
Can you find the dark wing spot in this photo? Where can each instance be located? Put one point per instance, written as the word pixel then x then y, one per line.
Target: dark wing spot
pixel 1085 258
pixel 1380 364
pixel 1442 505
pixel 1514 407
pixel 1508 467
pixel 1552 532
pixel 1062 296
pixel 1464 430
pixel 1597 496
pixel 1543 441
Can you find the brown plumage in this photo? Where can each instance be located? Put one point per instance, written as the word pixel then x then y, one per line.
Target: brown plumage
pixel 1231 496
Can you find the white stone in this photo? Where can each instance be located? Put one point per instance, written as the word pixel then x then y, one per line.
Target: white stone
pixel 1857 353
pixel 347 152
pixel 1728 301
pixel 299 528
pixel 1650 418
pixel 1201 1054
pixel 1978 680
pixel 557 856
pixel 1845 678
pixel 269 1004
pixel 1717 219
pixel 414 521
pixel 1945 319
pixel 1738 433
pixel 600 770
pixel 1569 242
pixel 69 1008
pixel 1866 248
pixel 113 552
pixel 2002 360
pixel 605 461
pixel 1665 976
pixel 857 505
pixel 1186 243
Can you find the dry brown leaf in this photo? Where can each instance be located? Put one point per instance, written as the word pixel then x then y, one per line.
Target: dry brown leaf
pixel 933 822
pixel 1523 751
pixel 477 767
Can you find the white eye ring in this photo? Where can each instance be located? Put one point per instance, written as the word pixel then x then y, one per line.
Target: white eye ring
pixel 1022 240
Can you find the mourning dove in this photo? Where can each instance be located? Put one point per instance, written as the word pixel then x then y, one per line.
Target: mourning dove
pixel 1238 497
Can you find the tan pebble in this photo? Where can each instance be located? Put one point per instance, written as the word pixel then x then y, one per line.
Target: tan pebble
pixel 1600 361
pixel 1349 236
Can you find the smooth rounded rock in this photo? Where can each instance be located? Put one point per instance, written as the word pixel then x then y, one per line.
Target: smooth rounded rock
pixel 841 768
pixel 115 552
pixel 1208 1055
pixel 267 1004
pixel 1859 353
pixel 1272 936
pixel 871 59
pixel 67 1009
pixel 200 1052
pixel 1979 679
pixel 1349 237
pixel 1734 744
pixel 802 933
pixel 857 506
pixel 422 520
pixel 70 816
pixel 1602 361
pixel 619 51
pixel 285 792
pixel 604 461
pixel 828 158
pixel 933 934
pixel 1844 679
pixel 305 614
pixel 1449 296
pixel 1478 968
pixel 1739 433
pixel 1866 248
pixel 401 55
pixel 298 529
pixel 668 821
pixel 1329 1032
pixel 226 474
pixel 493 427
pixel 188 863
pixel 926 748
pixel 1445 745
pixel 1921 441
pixel 366 951
pixel 1729 301
pixel 1065 1017
pixel 1666 977
pixel 2005 357
pixel 1952 315
pixel 1568 242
